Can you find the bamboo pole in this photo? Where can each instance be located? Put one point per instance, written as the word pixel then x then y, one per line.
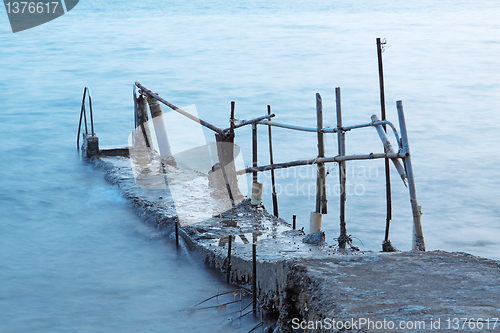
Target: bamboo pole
pixel 388 149
pixel 321 203
pixel 418 243
pixel 311 161
pixel 342 173
pixel 271 160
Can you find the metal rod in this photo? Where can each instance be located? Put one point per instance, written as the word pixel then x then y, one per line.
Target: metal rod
pixel 228 268
pixel 381 78
pixel 91 114
pixel 321 204
pixel 83 112
pixel 136 121
pixel 254 150
pixel 184 113
pixel 271 161
pixel 418 243
pixel 293 127
pixel 294 223
pixel 214 296
pixel 177 234
pixel 386 161
pixel 379 122
pixel 311 161
pixel 254 277
pixel 218 305
pixel 342 170
pixel 79 129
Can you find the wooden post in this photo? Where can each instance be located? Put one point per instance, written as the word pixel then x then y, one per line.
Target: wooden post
pixel 159 125
pixel 254 150
pixel 232 120
pixel 228 268
pixel 387 170
pixel 142 119
pixel 225 153
pixel 177 234
pixel 321 204
pixel 418 243
pixel 294 225
pixel 254 277
pixel 273 183
pixel 342 172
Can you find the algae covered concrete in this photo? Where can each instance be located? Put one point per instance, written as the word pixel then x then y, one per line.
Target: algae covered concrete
pixel 312 288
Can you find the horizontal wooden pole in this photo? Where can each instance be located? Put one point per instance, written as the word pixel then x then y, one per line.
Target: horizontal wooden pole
pixel 320 160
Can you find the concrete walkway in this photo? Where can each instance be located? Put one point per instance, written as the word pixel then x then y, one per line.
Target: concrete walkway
pixel 317 288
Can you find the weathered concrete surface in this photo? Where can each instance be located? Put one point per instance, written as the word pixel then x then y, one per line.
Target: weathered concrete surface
pixel 309 282
pixel 416 287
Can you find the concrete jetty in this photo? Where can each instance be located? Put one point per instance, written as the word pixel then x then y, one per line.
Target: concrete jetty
pixel 318 288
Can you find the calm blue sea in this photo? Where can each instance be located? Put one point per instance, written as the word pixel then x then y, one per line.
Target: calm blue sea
pixel 74 257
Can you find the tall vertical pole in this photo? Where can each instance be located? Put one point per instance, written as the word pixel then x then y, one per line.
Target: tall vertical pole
pixel 387 169
pixel 254 150
pixel 418 243
pixel 254 277
pixel 342 173
pixel 176 234
pixel 232 120
pixel 321 204
pixel 271 160
pixel 228 268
